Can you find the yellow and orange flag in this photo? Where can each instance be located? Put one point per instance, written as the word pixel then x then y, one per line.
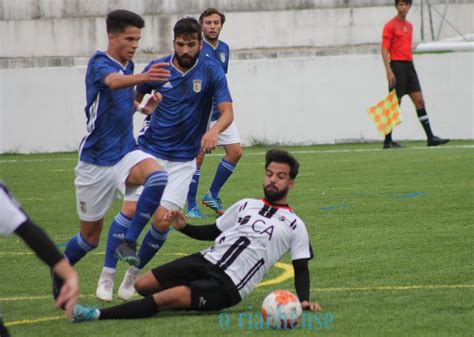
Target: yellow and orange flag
pixel 386 113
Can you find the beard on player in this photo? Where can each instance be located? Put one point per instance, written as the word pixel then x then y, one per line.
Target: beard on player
pixel 272 194
pixel 186 61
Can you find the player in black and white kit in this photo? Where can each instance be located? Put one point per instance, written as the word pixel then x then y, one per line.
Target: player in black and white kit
pixel 248 239
pixel 13 220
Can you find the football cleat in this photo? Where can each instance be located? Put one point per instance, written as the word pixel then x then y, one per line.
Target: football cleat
pixel 435 141
pixel 195 213
pixel 127 252
pixel 105 288
pixel 392 145
pixel 213 203
pixel 126 289
pixel 84 314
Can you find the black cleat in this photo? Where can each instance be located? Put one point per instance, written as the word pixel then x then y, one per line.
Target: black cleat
pixel 392 145
pixel 127 252
pixel 435 141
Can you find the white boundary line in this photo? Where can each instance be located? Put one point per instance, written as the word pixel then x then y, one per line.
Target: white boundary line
pixel 10 161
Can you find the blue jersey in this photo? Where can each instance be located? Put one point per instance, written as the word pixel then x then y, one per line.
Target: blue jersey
pixel 109 114
pixel 177 125
pixel 221 54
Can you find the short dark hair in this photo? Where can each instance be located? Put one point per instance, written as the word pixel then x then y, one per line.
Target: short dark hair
pixel 408 2
pixel 186 27
pixel 118 20
pixel 210 11
pixel 282 156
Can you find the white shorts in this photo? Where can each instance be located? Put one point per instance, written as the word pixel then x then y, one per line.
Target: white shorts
pixel 180 175
pixel 98 186
pixel 229 135
pixel 11 215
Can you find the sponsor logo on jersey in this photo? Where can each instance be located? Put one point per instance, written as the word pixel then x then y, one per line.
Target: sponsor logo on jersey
pixel 197 84
pixel 222 55
pixel 167 85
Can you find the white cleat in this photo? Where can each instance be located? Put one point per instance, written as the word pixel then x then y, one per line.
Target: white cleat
pixel 105 289
pixel 127 290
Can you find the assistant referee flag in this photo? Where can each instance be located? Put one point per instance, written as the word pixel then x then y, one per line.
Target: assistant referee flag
pixel 386 113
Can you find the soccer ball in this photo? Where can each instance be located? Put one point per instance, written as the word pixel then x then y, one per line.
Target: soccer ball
pixel 281 310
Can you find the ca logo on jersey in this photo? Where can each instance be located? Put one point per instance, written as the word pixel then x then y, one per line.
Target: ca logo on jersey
pixel 197 84
pixel 222 55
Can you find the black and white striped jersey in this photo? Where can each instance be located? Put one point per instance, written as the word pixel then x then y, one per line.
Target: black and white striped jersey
pixel 11 214
pixel 255 235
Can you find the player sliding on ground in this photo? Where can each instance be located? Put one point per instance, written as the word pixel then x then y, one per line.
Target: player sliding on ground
pixel 248 240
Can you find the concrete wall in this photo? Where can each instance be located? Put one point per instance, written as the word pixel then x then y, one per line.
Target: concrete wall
pixel 39 28
pixel 288 100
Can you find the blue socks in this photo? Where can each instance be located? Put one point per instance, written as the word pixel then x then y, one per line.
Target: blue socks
pixel 193 187
pixel 117 232
pixel 223 172
pixel 148 203
pixel 77 248
pixel 151 244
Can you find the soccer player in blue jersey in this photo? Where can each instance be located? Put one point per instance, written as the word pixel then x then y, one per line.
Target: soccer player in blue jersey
pixel 175 134
pixel 212 21
pixel 109 158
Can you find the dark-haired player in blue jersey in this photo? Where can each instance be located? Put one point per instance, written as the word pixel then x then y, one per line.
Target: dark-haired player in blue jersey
pixel 109 158
pixel 212 21
pixel 175 134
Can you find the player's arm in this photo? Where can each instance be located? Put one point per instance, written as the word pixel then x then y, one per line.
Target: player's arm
pixel 202 232
pixel 386 61
pixel 387 37
pixel 149 106
pixel 155 73
pixel 45 249
pixel 302 284
pixel 209 140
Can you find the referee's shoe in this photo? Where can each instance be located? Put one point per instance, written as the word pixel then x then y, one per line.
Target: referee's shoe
pixel 435 141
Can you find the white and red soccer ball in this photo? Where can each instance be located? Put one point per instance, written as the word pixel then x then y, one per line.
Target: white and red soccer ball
pixel 281 309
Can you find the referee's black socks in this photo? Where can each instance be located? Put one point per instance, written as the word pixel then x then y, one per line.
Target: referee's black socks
pixel 143 308
pixel 425 122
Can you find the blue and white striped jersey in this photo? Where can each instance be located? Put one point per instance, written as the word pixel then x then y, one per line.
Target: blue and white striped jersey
pixel 177 125
pixel 221 54
pixel 109 113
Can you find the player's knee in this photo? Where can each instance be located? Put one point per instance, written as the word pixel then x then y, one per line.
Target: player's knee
pixel 139 286
pixel 234 155
pixel 129 208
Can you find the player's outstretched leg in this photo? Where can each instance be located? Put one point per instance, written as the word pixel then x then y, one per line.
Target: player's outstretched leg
pixel 193 210
pixel 152 243
pixel 117 231
pixel 226 167
pixel 148 202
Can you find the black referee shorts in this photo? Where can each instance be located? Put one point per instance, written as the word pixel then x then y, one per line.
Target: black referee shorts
pixel 211 288
pixel 406 78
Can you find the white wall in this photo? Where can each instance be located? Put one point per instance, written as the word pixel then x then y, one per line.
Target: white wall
pixel 288 100
pixel 72 28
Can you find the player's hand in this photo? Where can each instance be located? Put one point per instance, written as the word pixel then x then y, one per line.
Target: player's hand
pixel 158 73
pixel 69 293
pixel 176 219
pixel 152 103
pixel 391 79
pixel 209 141
pixel 305 305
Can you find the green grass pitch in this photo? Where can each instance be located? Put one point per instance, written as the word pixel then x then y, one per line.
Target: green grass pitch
pixel 392 232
